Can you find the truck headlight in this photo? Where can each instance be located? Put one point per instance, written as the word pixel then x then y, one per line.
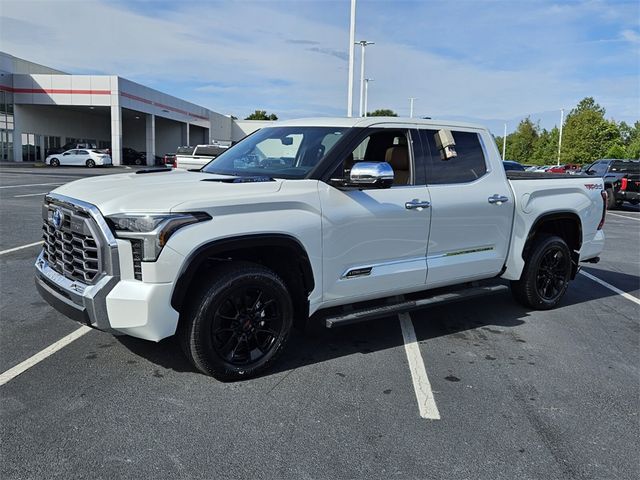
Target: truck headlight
pixel 152 230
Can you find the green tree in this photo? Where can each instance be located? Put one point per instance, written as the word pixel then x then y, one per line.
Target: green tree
pixel 261 115
pixel 587 134
pixel 521 143
pixel 545 150
pixel 382 112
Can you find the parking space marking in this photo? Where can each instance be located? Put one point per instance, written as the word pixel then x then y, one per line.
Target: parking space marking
pixel 611 287
pixel 426 403
pixel 623 216
pixel 15 249
pixel 30 195
pixel 31 185
pixel 42 354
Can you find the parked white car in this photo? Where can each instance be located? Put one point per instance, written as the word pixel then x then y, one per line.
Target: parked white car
pixel 344 219
pixel 86 157
pixel 194 158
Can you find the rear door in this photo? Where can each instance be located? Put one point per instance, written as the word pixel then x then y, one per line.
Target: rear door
pixel 471 208
pixel 81 157
pixel 375 240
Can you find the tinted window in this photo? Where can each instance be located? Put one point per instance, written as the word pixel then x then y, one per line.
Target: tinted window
pixel 209 151
pixel 82 152
pixel 598 168
pixel 625 167
pixel 185 150
pixel 458 163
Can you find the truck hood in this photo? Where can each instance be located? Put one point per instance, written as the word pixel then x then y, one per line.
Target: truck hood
pixel 163 191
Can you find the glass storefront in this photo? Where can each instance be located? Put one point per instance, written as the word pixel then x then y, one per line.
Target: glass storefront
pixel 6 125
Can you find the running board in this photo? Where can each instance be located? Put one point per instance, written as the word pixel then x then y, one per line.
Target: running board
pixel 407 306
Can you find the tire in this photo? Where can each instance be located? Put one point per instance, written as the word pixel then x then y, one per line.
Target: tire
pixel 238 323
pixel 54 162
pixel 91 163
pixel 611 199
pixel 546 274
pixel 138 161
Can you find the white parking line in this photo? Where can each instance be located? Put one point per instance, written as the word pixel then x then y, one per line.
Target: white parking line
pixel 31 185
pixel 42 354
pixel 15 249
pixel 611 287
pixel 30 195
pixel 624 216
pixel 426 403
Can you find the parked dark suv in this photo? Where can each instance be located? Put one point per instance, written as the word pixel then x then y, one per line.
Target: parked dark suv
pixel 621 180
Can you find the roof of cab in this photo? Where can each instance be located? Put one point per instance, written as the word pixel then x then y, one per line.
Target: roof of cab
pixel 363 122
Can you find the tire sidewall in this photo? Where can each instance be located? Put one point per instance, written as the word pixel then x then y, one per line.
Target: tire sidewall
pixel 201 338
pixel 537 254
pixel 54 162
pixel 91 163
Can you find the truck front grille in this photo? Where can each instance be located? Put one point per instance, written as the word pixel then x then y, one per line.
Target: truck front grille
pixel 70 247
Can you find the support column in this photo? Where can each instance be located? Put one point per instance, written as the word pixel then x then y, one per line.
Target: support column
pixel 116 134
pixel 185 134
pixel 17 133
pixel 151 139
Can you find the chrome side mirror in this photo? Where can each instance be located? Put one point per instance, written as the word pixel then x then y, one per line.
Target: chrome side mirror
pixel 371 174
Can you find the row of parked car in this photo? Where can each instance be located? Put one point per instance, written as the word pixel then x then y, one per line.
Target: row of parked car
pixel 89 155
pixel 621 177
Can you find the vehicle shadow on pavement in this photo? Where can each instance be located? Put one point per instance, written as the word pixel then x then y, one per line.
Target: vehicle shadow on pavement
pixel 317 344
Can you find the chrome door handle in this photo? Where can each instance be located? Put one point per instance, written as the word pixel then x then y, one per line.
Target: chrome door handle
pixel 498 199
pixel 413 204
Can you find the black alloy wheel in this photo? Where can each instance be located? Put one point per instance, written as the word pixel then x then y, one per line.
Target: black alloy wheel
pixel 551 278
pixel 246 324
pixel 237 322
pixel 54 162
pixel 91 163
pixel 546 274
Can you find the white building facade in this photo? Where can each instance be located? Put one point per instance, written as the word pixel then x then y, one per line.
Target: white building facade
pixel 42 108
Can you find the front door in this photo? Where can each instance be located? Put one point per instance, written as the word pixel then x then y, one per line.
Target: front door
pixel 471 208
pixel 373 244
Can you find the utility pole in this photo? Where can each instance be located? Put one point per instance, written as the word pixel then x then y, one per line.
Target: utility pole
pixel 363 44
pixel 366 94
pixel 411 99
pixel 352 39
pixel 560 138
pixel 504 142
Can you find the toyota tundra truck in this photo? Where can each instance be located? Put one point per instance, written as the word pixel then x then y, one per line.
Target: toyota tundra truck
pixel 337 219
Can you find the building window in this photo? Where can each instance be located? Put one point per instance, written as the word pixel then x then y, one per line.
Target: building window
pixel 31 147
pixel 6 144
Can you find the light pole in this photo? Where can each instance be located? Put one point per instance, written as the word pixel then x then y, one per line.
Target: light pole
pixel 352 39
pixel 504 142
pixel 366 94
pixel 411 100
pixel 560 137
pixel 363 44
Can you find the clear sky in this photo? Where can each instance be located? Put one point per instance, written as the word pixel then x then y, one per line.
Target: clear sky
pixel 486 60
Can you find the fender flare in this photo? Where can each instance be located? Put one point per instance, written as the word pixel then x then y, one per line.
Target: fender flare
pixel 214 248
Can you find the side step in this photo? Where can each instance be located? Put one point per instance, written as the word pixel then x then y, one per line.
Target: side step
pixel 407 306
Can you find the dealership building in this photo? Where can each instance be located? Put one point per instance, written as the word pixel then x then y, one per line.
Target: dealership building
pixel 43 108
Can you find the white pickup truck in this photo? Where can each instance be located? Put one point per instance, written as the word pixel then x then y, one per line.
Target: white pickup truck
pixel 307 218
pixel 194 158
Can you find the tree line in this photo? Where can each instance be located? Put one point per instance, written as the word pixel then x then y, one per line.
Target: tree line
pixel 586 136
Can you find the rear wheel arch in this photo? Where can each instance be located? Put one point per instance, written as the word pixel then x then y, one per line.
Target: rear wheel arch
pixel 566 225
pixel 283 254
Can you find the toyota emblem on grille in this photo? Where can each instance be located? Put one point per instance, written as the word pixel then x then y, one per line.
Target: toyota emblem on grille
pixel 56 218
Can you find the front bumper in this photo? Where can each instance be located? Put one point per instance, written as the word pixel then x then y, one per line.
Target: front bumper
pixel 115 302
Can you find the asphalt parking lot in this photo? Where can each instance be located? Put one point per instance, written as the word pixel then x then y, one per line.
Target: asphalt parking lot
pixel 519 394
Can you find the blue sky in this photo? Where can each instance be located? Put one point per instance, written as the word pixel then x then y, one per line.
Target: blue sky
pixel 490 61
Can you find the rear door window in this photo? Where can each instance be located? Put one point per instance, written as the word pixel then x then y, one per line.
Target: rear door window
pixel 453 156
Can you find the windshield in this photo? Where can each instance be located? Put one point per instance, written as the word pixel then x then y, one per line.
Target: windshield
pixel 281 152
pixel 625 167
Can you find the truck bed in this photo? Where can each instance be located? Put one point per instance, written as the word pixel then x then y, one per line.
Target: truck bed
pixel 517 175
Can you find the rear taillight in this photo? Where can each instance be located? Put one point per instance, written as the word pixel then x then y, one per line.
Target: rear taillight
pixel 603 194
pixel 623 184
pixel 174 164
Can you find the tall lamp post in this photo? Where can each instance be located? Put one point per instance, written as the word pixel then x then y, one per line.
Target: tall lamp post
pixel 366 94
pixel 363 44
pixel 352 40
pixel 504 142
pixel 411 100
pixel 560 137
